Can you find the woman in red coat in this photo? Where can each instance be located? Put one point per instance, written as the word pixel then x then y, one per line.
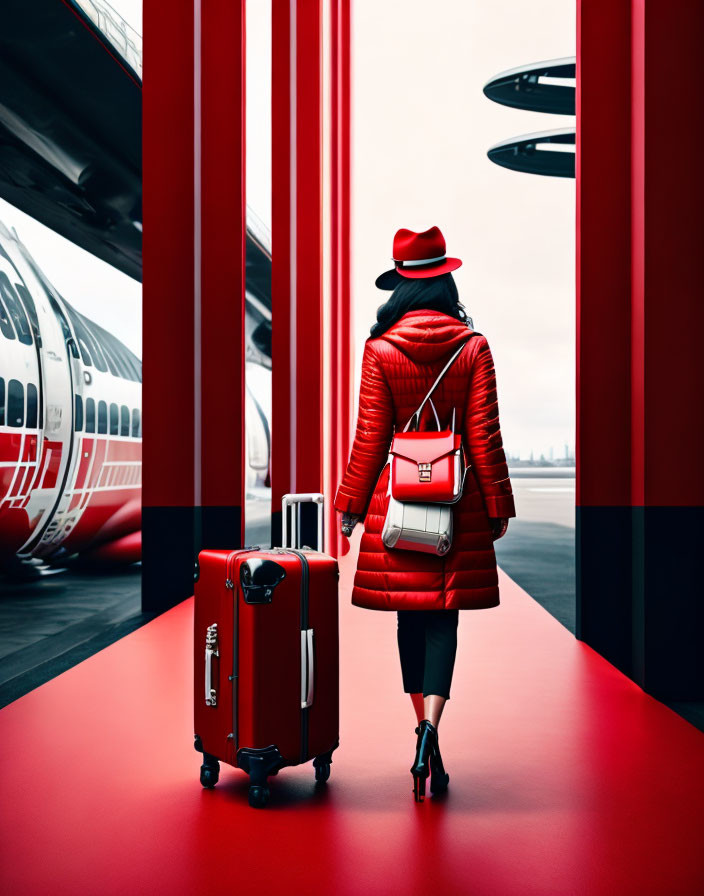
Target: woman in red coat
pixel 417 330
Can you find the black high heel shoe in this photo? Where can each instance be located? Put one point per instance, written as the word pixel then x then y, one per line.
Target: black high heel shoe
pixel 427 737
pixel 439 778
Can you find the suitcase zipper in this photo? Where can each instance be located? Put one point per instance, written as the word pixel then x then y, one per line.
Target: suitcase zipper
pixel 230 584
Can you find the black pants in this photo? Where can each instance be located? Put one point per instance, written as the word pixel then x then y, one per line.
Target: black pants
pixel 427 643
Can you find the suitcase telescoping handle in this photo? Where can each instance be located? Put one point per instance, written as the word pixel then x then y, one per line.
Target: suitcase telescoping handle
pixel 294 502
pixel 291 538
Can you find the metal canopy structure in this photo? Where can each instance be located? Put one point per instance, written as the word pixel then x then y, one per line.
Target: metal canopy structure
pixel 522 87
pixel 527 154
pixel 71 130
pixel 538 87
pixel 71 136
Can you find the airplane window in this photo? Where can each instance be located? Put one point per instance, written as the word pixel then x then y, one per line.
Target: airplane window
pixel 79 414
pixel 98 333
pixel 15 403
pixel 111 347
pixel 90 415
pixel 86 340
pixel 2 401
pixel 120 359
pixel 114 420
pixel 85 346
pixel 135 422
pixel 98 356
pixel 113 359
pixel 125 361
pixel 5 323
pixel 102 417
pixel 28 302
pixel 14 306
pixel 124 420
pixel 64 325
pixel 80 338
pixel 132 364
pixel 31 406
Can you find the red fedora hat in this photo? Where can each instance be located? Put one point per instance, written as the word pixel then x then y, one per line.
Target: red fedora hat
pixel 417 256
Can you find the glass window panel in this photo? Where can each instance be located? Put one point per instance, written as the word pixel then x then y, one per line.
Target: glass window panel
pixel 14 306
pixel 28 303
pixel 31 406
pixel 15 403
pixel 90 415
pixel 102 417
pixel 6 327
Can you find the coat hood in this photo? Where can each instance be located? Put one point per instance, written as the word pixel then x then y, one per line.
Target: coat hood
pixel 426 336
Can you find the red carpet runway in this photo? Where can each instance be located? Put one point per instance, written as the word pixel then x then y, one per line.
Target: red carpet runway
pixel 565 778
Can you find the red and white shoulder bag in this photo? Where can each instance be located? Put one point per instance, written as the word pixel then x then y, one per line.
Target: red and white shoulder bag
pixel 426 477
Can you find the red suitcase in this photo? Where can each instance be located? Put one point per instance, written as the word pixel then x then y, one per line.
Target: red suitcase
pixel 266 658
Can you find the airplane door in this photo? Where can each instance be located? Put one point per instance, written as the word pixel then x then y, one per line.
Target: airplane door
pixel 55 437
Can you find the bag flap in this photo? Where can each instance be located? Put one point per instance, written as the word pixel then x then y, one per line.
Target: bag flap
pixel 425 447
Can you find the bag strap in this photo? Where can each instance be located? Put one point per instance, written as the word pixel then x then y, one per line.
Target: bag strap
pixel 416 415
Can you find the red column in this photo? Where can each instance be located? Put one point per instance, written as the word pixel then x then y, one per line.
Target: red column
pixel 297 246
pixel 640 195
pixel 168 518
pixel 222 282
pixel 193 306
pixel 339 353
pixel 602 168
pixel 667 363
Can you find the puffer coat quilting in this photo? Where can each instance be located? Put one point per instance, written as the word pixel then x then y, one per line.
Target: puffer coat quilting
pixel 398 368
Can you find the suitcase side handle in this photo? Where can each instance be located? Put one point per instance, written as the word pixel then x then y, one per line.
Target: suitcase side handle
pixel 292 501
pixel 211 650
pixel 307 668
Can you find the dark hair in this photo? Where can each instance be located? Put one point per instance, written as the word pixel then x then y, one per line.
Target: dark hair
pixel 435 293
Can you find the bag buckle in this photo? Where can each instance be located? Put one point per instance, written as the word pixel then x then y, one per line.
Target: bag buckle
pixel 424 472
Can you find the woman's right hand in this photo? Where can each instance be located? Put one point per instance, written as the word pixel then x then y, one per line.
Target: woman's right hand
pixel 349 521
pixel 499 526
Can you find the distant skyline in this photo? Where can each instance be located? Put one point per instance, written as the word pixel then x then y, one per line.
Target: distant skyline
pixel 551 453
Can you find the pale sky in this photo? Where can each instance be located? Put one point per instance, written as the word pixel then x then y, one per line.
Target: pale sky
pixel 421 127
pixel 131 12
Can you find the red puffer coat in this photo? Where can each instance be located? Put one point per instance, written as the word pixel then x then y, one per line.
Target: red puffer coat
pixel 398 368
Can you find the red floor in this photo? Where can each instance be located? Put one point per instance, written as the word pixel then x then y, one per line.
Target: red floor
pixel 565 778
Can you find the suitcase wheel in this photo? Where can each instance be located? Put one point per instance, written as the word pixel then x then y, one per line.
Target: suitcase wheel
pixel 322 764
pixel 322 771
pixel 258 796
pixel 210 772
